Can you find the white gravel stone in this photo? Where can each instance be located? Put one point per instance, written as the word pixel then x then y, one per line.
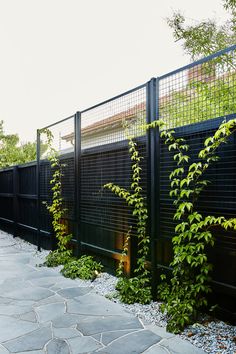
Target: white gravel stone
pixel 212 335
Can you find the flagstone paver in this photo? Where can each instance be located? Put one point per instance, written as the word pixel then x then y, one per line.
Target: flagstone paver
pixel 57 346
pixel 43 313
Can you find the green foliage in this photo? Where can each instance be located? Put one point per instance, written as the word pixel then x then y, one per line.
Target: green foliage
pixel 12 152
pixel 134 290
pixel 57 257
pixel 185 295
pixel 84 268
pixel 200 100
pixel 207 36
pixel 56 208
pixel 130 289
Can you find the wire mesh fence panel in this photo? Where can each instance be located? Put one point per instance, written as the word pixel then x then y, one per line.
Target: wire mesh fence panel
pixel 105 158
pixel 194 102
pixel 199 93
pixel 58 140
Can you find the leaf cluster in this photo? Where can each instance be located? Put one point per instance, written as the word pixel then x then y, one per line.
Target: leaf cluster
pixel 185 295
pixel 84 268
pixel 57 257
pixel 130 289
pixel 56 208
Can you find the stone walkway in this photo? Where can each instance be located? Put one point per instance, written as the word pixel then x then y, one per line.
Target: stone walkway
pixel 43 312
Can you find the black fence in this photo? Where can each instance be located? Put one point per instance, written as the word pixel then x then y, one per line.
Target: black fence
pixel 93 145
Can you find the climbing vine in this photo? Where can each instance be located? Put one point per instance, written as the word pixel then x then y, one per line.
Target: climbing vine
pixel 55 208
pixel 137 288
pixel 185 295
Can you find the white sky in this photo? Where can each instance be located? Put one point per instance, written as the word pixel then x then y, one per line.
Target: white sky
pixel 60 56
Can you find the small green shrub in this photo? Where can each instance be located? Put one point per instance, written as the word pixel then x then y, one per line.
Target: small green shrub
pixel 57 257
pixel 84 268
pixel 134 290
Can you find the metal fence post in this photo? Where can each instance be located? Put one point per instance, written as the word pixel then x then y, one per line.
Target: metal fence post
pixel 153 170
pixel 38 191
pixel 15 198
pixel 77 162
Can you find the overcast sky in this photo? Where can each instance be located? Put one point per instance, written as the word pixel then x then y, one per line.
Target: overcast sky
pixel 60 56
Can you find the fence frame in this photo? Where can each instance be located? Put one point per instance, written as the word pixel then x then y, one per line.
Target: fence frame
pixel 153 181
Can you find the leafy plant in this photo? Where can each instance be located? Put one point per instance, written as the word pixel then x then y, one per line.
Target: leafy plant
pixel 201 38
pixel 56 208
pixel 12 152
pixel 185 295
pixel 135 289
pixel 84 268
pixel 57 257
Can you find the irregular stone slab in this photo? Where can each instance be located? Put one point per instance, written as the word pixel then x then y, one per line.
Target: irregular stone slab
pixel 70 293
pixel 97 337
pixel 68 283
pixel 49 300
pixel 135 343
pixel 12 284
pixel 22 258
pixel 31 341
pixel 160 331
pixel 28 303
pixel 6 243
pixel 10 251
pixel 30 294
pixel 67 320
pixel 29 316
pixel 83 345
pixel 55 288
pixel 41 274
pixel 10 310
pixel 45 281
pixel 57 346
pixel 180 346
pixel 12 328
pixel 94 324
pixel 108 337
pixel 95 305
pixel 33 352
pixel 64 333
pixel 4 300
pixel 49 312
pixel 158 349
pixel 3 350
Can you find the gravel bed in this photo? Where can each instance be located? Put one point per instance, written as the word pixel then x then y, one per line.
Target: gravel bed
pixel 210 334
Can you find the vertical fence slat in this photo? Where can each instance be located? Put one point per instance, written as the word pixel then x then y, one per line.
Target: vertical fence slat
pixel 15 198
pixel 77 162
pixel 153 195
pixel 38 190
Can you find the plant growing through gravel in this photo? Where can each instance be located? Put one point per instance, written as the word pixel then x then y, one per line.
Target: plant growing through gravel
pixel 84 268
pixel 57 257
pixel 185 295
pixel 56 209
pixel 136 289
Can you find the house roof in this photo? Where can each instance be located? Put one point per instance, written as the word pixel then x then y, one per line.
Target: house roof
pixel 110 122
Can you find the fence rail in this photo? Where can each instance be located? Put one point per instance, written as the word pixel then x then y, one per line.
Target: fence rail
pixel 93 145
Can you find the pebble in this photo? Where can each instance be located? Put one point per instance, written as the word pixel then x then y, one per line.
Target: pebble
pixel 211 335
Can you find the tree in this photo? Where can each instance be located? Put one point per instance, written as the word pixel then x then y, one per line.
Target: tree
pixel 12 152
pixel 207 36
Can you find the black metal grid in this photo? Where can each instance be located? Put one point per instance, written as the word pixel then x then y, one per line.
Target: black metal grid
pixel 194 101
pixel 199 92
pixel 105 218
pixel 64 144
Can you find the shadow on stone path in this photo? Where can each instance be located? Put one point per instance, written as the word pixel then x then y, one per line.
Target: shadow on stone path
pixel 42 312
